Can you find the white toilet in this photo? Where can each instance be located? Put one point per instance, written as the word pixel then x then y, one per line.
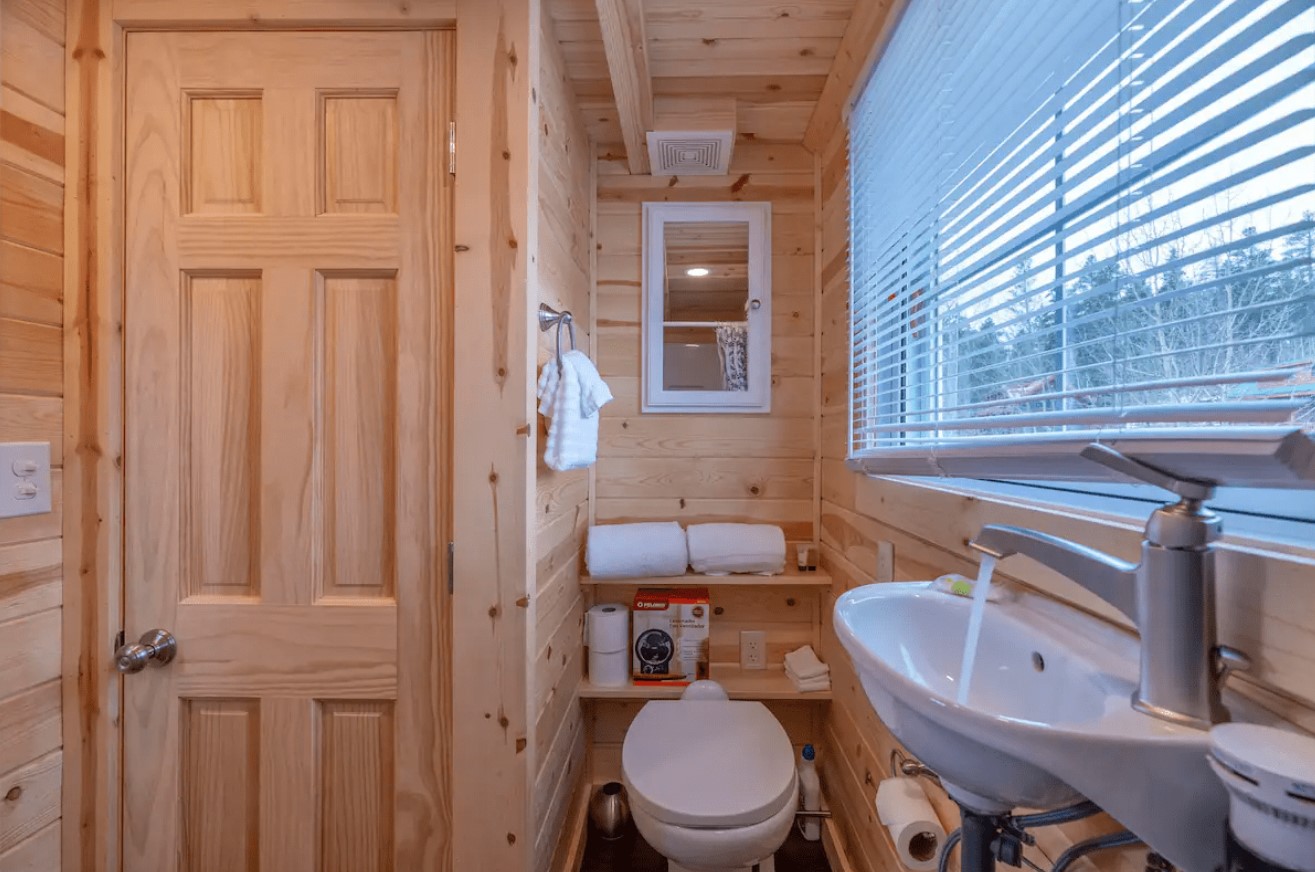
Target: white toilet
pixel 712 783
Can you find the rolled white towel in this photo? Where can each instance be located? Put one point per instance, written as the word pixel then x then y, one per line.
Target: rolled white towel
pixel 634 550
pixel 805 664
pixel 722 548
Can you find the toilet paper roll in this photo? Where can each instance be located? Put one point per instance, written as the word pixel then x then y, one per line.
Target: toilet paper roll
pixel 608 628
pixel 609 669
pixel 904 810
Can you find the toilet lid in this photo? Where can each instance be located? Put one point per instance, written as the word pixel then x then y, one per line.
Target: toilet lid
pixel 708 763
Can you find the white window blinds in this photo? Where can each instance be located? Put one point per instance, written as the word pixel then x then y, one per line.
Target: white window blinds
pixel 1080 220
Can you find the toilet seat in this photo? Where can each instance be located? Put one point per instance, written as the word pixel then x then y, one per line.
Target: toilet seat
pixel 708 763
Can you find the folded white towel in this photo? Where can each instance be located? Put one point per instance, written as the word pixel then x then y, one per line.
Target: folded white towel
pixel 633 550
pixel 809 685
pixel 722 548
pixel 570 396
pixel 804 663
pixel 795 676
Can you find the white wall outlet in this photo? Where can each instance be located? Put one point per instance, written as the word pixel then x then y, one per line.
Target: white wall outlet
pixel 885 561
pixel 753 649
pixel 24 478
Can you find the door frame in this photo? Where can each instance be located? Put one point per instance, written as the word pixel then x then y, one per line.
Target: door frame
pixel 96 32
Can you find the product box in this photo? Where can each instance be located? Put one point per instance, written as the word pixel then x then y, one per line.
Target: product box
pixel 670 628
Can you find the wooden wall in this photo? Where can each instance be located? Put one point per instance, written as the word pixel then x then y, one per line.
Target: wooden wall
pixel 564 273
pixel 31 409
pixel 697 468
pixel 713 467
pixel 493 473
pixel 1261 589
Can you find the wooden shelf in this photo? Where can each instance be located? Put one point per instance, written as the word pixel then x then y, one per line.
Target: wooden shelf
pixel 792 577
pixel 760 684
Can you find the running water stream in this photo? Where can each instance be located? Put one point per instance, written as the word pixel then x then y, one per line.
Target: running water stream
pixel 980 592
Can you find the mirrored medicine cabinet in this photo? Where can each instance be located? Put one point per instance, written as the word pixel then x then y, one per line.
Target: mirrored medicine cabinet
pixel 707 307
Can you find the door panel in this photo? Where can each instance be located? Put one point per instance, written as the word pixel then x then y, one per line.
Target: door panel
pixel 285 464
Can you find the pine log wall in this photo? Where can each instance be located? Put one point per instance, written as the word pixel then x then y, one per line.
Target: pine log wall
pixel 696 468
pixel 563 262
pixel 31 409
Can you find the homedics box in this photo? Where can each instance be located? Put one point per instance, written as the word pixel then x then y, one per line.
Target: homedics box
pixel 670 627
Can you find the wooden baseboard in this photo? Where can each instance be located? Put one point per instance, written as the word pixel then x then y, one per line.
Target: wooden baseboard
pixel 837 853
pixel 833 842
pixel 570 846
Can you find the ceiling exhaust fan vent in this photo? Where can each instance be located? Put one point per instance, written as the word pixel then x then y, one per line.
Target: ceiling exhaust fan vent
pixel 690 153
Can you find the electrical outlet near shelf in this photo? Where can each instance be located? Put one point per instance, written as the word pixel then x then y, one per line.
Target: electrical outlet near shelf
pixel 753 649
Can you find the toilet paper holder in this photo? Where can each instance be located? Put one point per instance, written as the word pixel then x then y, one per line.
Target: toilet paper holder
pixel 910 767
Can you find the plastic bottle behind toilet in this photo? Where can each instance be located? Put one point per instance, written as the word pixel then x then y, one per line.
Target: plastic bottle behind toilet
pixel 810 792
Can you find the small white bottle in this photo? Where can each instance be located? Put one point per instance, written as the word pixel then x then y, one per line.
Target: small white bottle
pixel 810 791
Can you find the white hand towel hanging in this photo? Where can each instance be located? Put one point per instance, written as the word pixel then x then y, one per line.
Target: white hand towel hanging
pixel 570 396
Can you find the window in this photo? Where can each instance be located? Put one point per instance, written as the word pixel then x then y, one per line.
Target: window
pixel 1086 221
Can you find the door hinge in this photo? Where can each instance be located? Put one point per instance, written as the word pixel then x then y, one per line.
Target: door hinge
pixel 452 148
pixel 451 566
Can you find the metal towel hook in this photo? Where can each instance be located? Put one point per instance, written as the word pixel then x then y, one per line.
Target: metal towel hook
pixel 550 317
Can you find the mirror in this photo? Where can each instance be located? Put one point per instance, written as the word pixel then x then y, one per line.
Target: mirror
pixel 705 306
pixel 707 312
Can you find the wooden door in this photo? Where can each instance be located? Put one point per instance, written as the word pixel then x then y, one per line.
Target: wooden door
pixel 285 494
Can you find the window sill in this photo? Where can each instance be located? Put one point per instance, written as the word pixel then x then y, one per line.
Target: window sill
pixel 1278 536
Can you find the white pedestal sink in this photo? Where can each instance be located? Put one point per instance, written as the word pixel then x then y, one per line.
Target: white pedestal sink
pixel 1048 719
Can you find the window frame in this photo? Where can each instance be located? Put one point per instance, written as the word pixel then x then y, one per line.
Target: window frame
pixel 657 399
pixel 1292 526
pixel 1268 452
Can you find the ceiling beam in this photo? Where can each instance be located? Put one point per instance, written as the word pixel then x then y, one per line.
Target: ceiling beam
pixel 869 27
pixel 626 47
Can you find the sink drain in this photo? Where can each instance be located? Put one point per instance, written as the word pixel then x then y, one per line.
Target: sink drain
pixel 1038 662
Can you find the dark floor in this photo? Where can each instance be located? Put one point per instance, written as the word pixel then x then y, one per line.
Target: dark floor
pixel 632 854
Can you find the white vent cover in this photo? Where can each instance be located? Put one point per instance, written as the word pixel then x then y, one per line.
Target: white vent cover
pixel 690 152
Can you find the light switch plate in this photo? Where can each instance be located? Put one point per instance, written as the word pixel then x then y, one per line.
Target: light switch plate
pixel 753 649
pixel 24 479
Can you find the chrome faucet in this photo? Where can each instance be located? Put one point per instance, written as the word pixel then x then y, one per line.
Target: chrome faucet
pixel 1169 596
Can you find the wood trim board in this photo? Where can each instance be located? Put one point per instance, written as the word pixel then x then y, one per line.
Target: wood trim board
pixel 497 187
pixel 792 577
pixel 869 29
pixel 752 684
pixel 626 48
pixel 93 479
pixel 280 14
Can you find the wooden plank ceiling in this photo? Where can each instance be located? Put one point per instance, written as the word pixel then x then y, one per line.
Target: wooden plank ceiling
pixel 773 57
